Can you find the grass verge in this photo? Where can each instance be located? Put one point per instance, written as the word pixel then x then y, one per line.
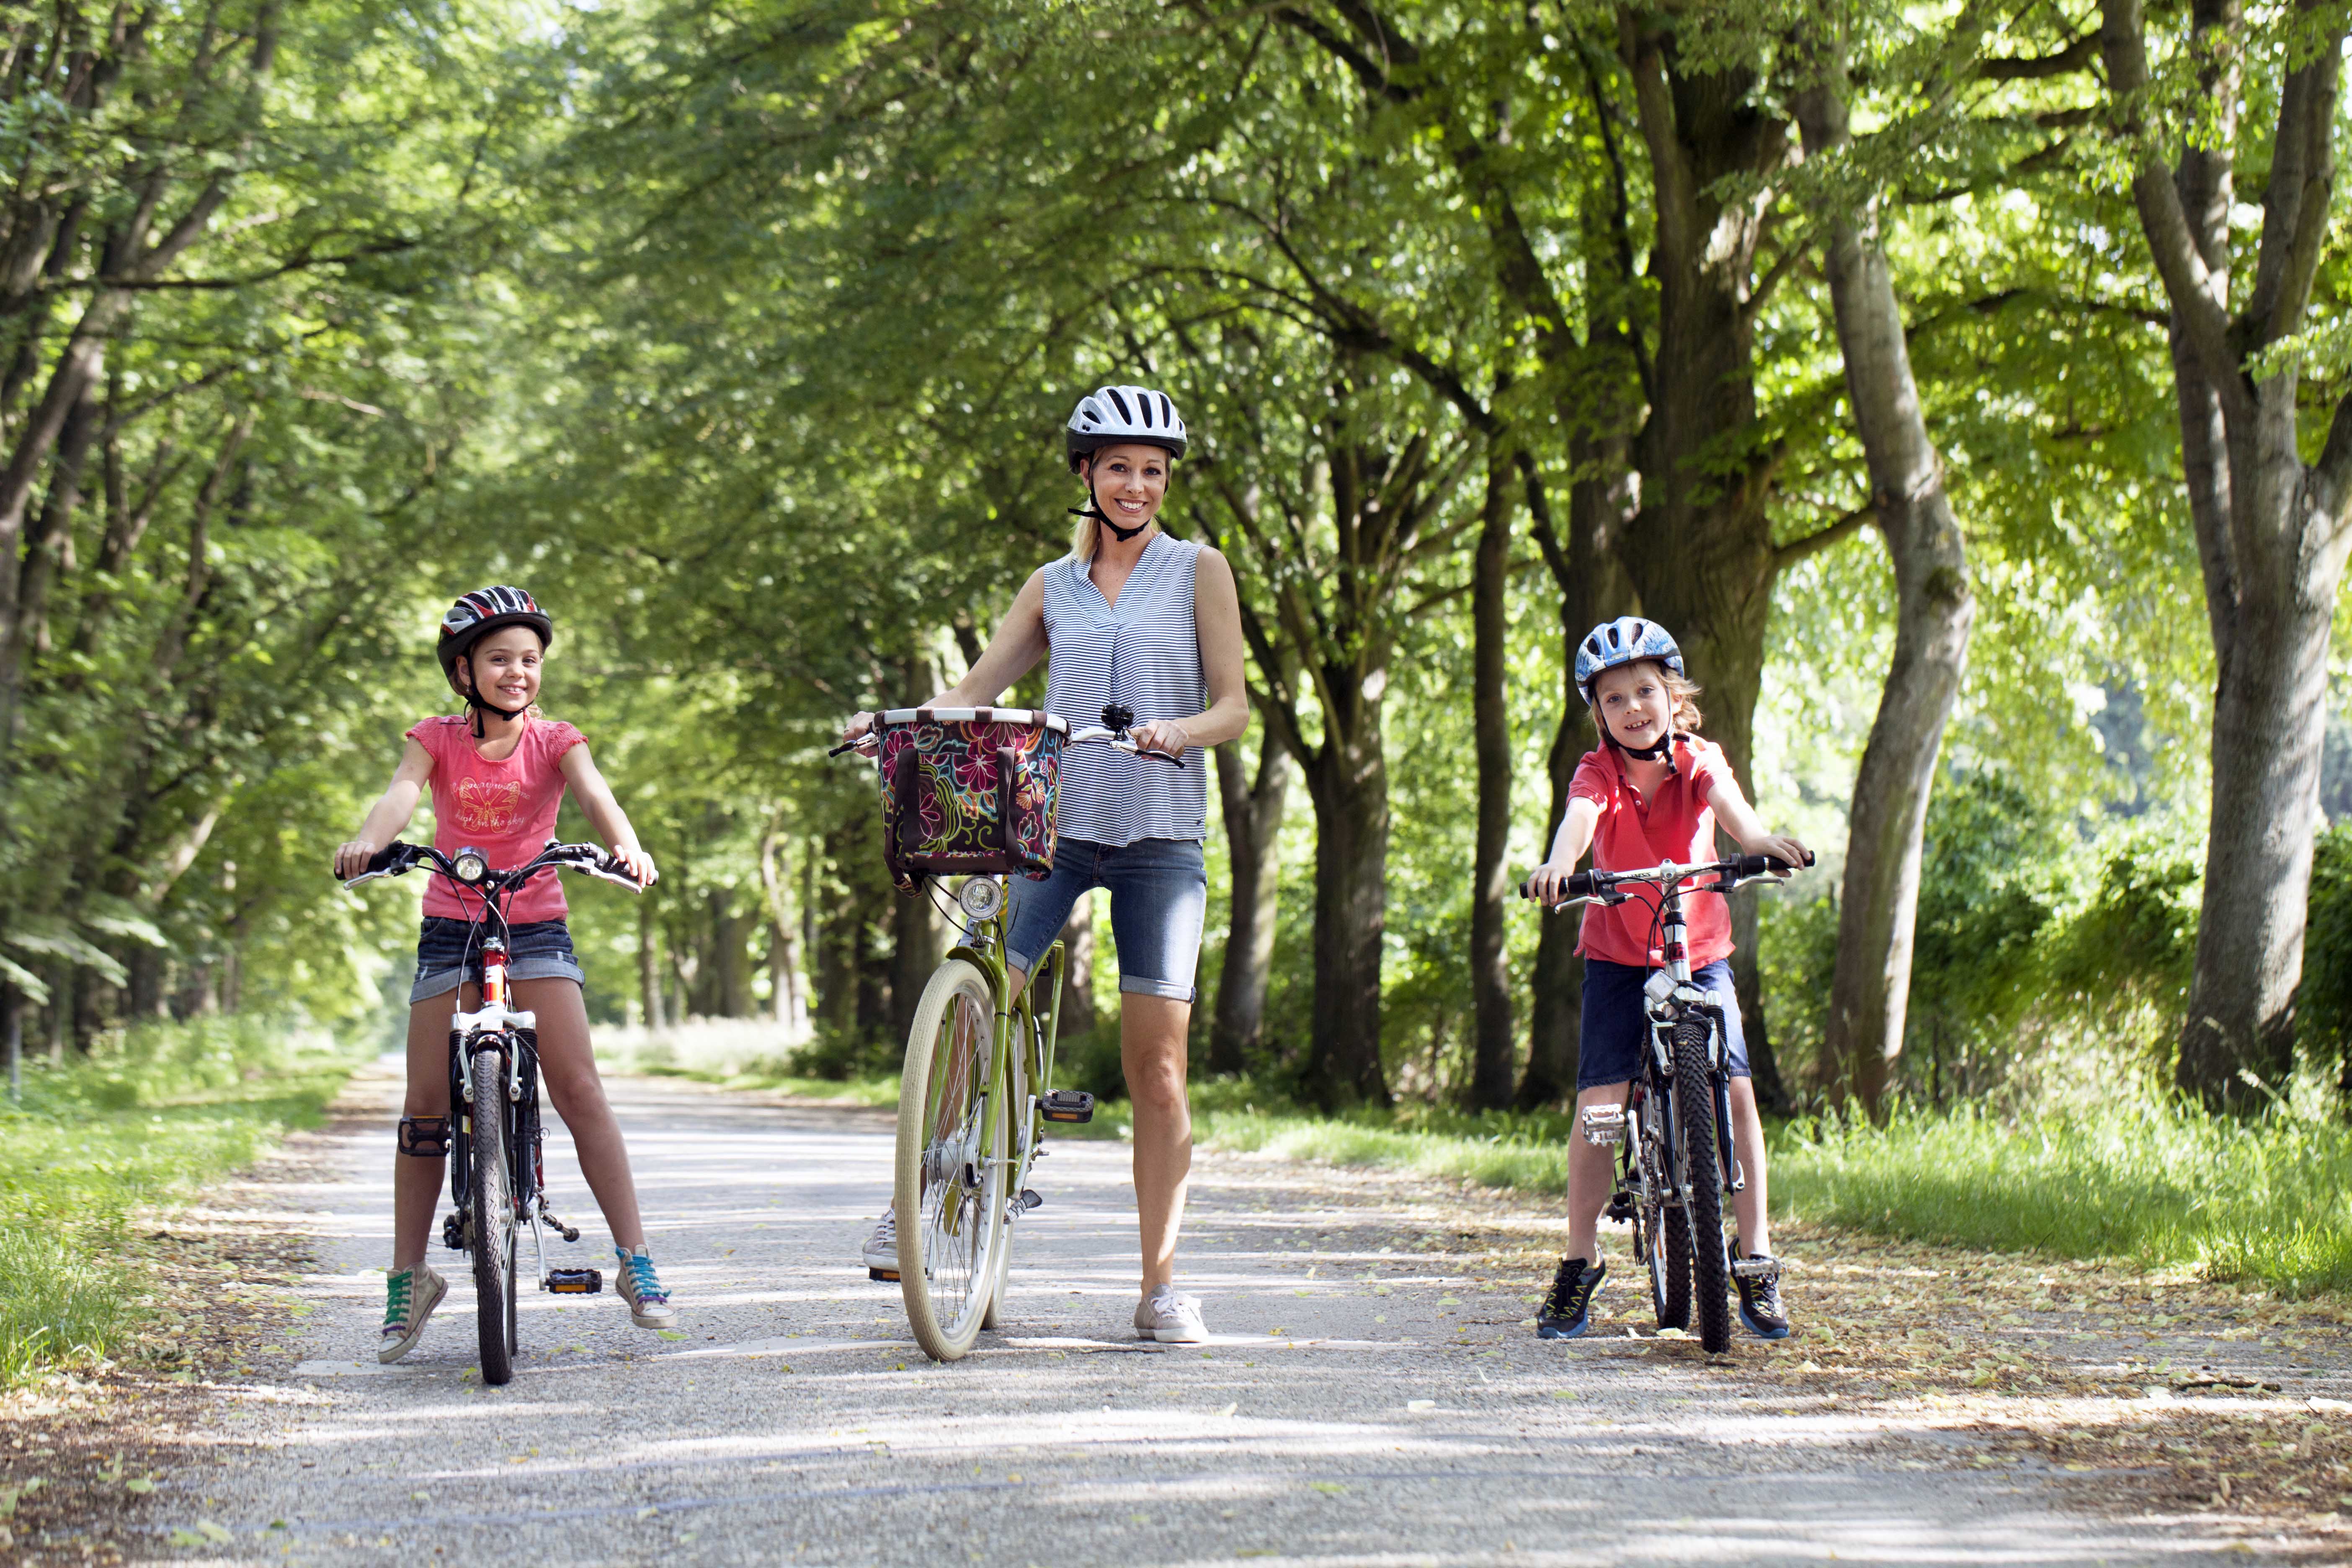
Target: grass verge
pixel 2140 1177
pixel 144 1119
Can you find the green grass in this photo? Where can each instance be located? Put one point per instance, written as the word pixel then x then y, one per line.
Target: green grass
pixel 2137 1175
pixel 2141 1177
pixel 143 1122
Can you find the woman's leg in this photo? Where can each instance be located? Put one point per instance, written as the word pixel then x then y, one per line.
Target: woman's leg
pixel 567 1067
pixel 1592 1173
pixel 1748 1205
pixel 1152 1051
pixel 416 1179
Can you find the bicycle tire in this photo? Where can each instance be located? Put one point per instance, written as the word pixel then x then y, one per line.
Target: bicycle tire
pixel 1695 1113
pixel 1017 1097
pixel 951 1162
pixel 1663 1232
pixel 493 1217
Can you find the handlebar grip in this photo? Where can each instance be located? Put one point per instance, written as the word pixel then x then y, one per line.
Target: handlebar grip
pixel 1769 865
pixel 846 746
pixel 1580 886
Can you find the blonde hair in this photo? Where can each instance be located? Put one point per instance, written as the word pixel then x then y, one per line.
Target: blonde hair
pixel 1682 693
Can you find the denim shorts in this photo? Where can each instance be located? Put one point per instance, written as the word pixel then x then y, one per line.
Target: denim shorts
pixel 1158 895
pixel 536 950
pixel 1616 1029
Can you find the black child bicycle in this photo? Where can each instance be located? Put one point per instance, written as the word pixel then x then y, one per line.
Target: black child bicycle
pixel 497 1178
pixel 1675 1162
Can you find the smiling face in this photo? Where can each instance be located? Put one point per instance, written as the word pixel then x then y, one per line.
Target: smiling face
pixel 1633 703
pixel 1129 482
pixel 507 664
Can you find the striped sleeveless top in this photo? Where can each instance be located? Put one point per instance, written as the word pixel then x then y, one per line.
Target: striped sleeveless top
pixel 1143 652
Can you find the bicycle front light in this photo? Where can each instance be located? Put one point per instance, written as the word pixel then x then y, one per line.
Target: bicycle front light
pixel 469 865
pixel 981 897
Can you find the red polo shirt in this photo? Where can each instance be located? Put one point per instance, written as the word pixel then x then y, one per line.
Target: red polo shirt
pixel 1635 834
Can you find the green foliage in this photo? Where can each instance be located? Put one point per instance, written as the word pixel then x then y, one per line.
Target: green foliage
pixel 2136 1173
pixel 145 1120
pixel 2324 1006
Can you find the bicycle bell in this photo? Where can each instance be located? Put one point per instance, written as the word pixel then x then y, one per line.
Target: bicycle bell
pixel 1117 717
pixel 981 897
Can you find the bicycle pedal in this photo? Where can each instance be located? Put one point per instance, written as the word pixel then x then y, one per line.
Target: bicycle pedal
pixel 888 1276
pixel 1621 1208
pixel 574 1281
pixel 1029 1200
pixel 1755 1268
pixel 1604 1124
pixel 453 1233
pixel 1073 1106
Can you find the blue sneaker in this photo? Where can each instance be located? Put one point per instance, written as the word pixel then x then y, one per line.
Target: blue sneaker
pixel 1567 1311
pixel 640 1287
pixel 1760 1294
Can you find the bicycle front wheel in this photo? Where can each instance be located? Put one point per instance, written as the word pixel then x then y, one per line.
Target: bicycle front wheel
pixel 1694 1119
pixel 492 1204
pixel 952 1120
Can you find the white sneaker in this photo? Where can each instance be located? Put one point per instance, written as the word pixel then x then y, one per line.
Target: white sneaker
pixel 880 1253
pixel 410 1297
pixel 640 1287
pixel 1171 1318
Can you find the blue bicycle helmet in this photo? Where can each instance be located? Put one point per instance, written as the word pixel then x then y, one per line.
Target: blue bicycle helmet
pixel 1624 640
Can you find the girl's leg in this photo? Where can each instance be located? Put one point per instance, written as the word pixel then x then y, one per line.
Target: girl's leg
pixel 1592 1173
pixel 1748 1207
pixel 1151 1049
pixel 417 1180
pixel 568 1067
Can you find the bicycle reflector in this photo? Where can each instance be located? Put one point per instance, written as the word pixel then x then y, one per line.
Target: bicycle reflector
pixel 981 897
pixel 470 865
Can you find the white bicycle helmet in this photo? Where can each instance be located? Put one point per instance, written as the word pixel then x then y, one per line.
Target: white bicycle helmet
pixel 1114 415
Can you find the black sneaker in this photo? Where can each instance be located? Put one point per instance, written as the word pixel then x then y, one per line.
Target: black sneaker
pixel 1760 1298
pixel 1567 1311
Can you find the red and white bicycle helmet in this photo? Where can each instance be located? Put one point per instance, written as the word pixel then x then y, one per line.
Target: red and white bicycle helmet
pixel 476 615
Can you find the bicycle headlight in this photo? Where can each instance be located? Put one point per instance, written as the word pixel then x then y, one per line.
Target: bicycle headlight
pixel 469 865
pixel 981 897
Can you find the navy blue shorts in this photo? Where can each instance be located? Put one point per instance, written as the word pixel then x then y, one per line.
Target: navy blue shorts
pixel 536 950
pixel 1617 1030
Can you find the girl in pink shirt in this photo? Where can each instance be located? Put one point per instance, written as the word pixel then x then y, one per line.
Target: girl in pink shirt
pixel 498 774
pixel 1654 791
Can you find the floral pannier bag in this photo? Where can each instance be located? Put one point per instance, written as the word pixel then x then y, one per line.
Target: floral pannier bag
pixel 968 790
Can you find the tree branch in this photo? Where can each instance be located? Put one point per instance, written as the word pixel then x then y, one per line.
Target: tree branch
pixel 1787 555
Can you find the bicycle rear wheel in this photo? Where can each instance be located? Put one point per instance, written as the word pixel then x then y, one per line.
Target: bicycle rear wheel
pixel 1662 1230
pixel 491 1200
pixel 1695 1116
pixel 952 1119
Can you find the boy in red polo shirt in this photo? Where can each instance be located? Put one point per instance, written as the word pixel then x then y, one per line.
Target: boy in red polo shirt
pixel 1653 791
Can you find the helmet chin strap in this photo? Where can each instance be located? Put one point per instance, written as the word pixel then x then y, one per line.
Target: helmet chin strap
pixel 1093 509
pixel 477 706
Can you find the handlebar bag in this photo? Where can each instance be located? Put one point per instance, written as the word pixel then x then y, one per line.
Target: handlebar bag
pixel 969 790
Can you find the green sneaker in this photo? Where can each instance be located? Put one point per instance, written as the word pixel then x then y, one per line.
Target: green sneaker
pixel 640 1287
pixel 408 1303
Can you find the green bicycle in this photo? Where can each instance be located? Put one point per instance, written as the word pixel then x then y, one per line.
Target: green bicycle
pixel 972 1118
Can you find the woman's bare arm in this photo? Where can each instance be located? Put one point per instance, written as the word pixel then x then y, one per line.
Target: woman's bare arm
pixel 1013 653
pixel 1217 621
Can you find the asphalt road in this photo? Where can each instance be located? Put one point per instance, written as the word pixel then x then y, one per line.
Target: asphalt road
pixel 1372 1397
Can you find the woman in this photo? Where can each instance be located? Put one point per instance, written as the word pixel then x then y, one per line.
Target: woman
pixel 1131 615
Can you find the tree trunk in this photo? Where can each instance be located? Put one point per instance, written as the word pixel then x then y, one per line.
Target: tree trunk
pixel 1079 1015
pixel 791 1004
pixel 2271 531
pixel 1253 814
pixel 731 980
pixel 916 946
pixel 649 990
pixel 1349 784
pixel 1490 885
pixel 1934 612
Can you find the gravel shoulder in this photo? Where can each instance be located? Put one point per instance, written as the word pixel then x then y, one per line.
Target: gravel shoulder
pixel 1373 1396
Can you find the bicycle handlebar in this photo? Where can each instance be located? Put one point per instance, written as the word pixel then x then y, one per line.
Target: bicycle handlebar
pixel 398 859
pixel 1592 886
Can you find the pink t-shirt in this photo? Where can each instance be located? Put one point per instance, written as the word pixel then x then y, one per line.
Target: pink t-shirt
pixel 505 809
pixel 1635 834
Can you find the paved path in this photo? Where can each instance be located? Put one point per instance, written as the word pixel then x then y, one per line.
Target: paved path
pixel 1368 1404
